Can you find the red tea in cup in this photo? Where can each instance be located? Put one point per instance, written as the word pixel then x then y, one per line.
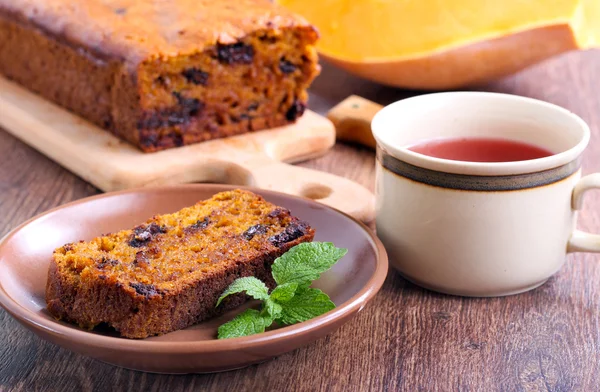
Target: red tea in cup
pixel 480 149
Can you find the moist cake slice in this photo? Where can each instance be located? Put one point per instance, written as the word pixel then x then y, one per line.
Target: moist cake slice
pixel 168 273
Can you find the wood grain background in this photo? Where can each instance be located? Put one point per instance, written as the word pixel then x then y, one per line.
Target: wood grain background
pixel 407 338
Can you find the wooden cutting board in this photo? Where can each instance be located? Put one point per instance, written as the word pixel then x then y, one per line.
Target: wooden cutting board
pixel 254 159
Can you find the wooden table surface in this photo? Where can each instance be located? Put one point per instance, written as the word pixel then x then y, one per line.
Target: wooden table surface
pixel 407 338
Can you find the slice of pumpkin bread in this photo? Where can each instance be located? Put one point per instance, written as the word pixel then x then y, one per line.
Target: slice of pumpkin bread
pixel 167 273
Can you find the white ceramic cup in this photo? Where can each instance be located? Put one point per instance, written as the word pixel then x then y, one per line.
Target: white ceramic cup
pixel 480 229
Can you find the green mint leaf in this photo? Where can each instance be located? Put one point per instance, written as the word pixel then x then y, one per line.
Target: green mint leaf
pixel 272 308
pixel 284 292
pixel 306 262
pixel 247 323
pixel 306 304
pixel 292 301
pixel 252 286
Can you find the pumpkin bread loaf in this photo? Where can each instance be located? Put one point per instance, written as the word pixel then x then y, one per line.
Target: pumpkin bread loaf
pixel 167 273
pixel 162 74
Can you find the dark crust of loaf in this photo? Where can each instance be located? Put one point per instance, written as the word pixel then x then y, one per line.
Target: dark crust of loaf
pixel 155 140
pixel 104 87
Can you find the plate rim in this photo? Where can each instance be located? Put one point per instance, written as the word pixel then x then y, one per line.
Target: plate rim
pixel 80 336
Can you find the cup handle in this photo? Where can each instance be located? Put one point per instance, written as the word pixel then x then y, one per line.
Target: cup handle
pixel 581 241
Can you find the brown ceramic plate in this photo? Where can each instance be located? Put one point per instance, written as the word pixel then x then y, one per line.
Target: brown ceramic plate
pixel 26 251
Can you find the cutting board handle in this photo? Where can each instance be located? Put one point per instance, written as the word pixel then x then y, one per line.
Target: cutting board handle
pixel 352 120
pixel 337 192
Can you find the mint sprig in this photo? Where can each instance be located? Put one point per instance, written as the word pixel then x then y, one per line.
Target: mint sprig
pixel 292 300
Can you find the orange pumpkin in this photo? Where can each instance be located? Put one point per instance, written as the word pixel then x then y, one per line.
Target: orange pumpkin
pixel 445 44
